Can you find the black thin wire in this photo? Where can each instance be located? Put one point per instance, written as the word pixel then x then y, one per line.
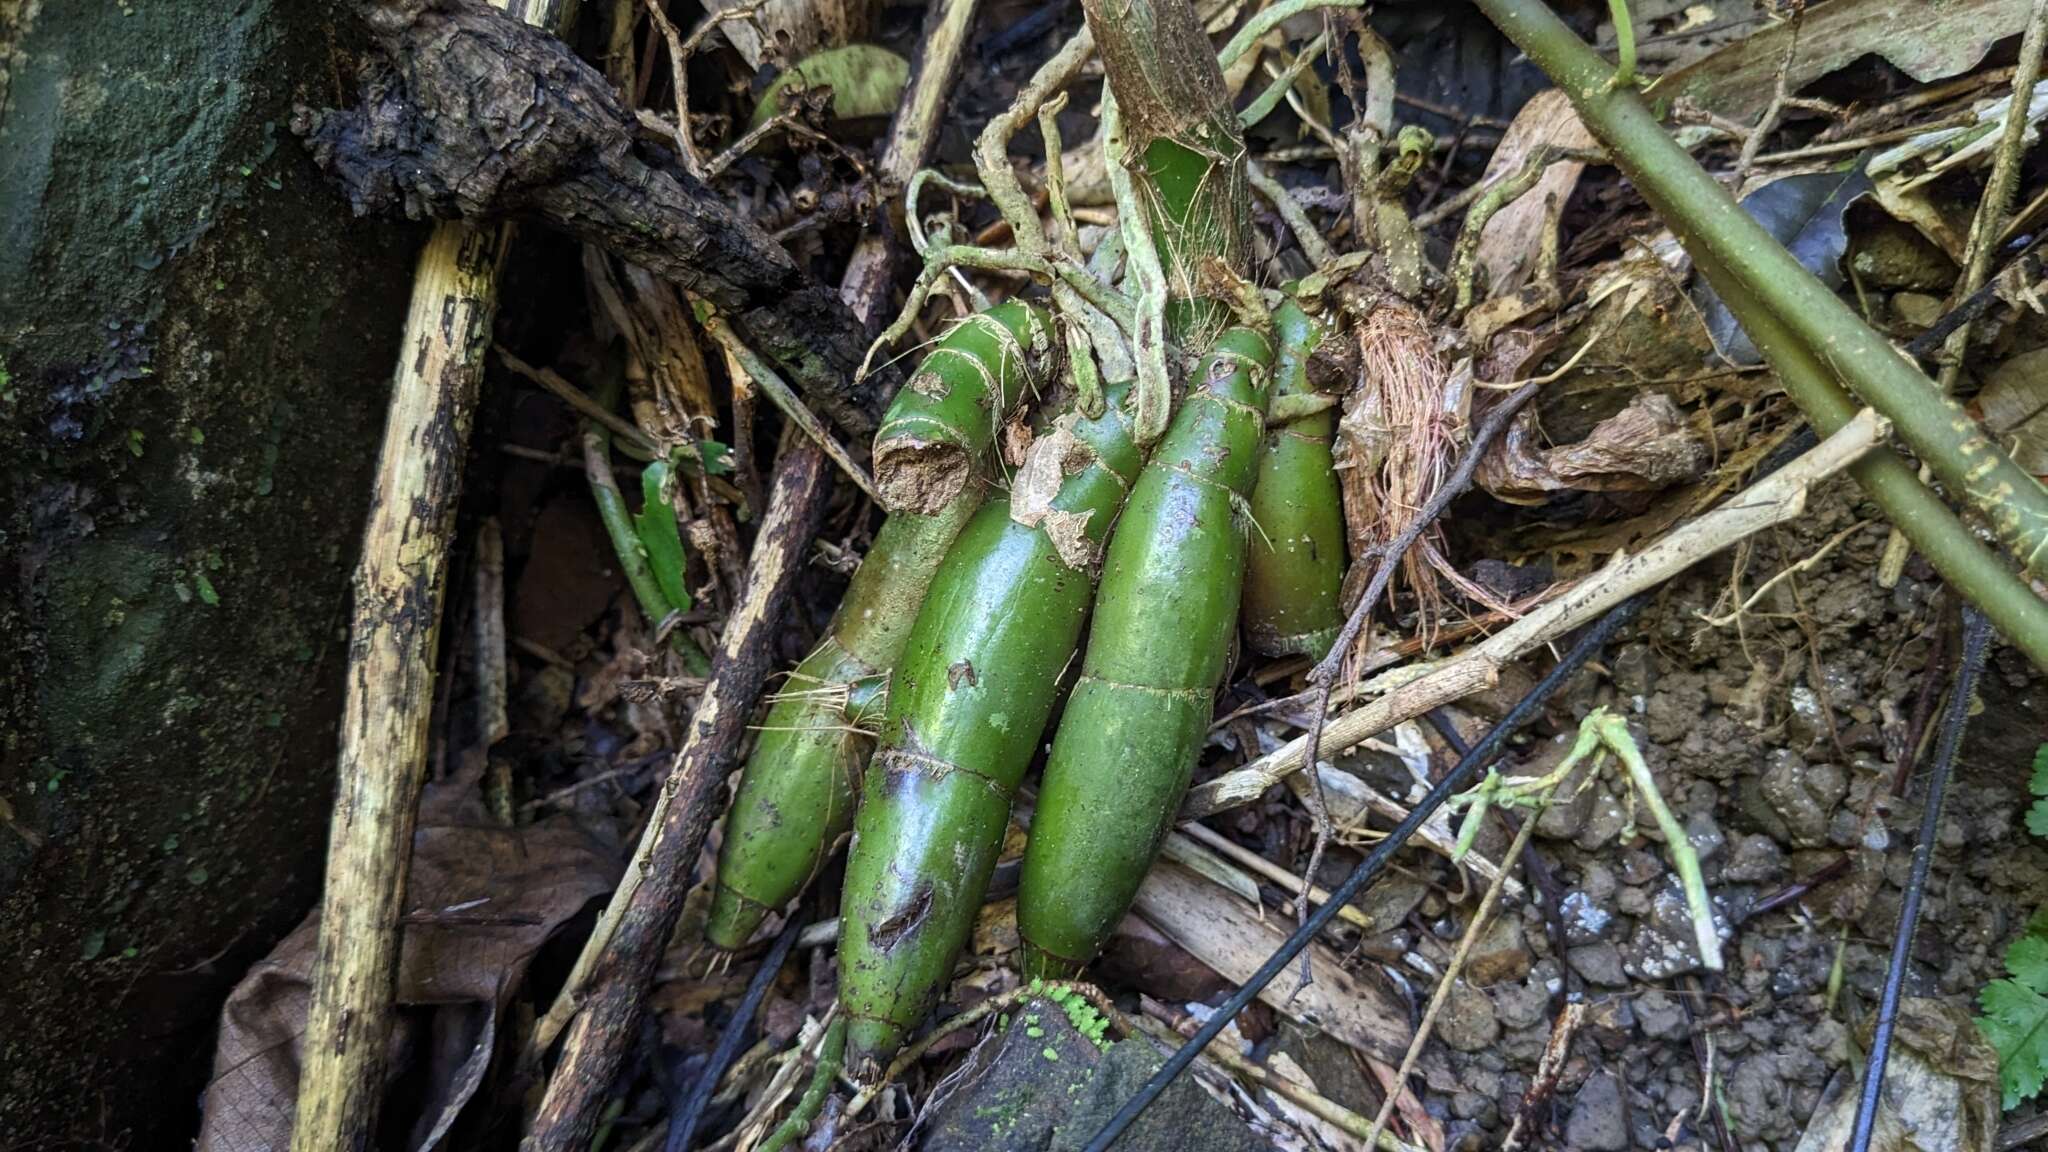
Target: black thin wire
pixel 1976 638
pixel 1369 868
pixel 1441 721
pixel 682 1127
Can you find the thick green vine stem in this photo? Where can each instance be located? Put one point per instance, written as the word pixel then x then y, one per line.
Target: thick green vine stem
pixel 1294 570
pixel 937 428
pixel 795 799
pixel 1159 646
pixel 1970 464
pixel 967 705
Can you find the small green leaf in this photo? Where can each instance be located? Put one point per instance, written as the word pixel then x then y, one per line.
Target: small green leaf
pixel 716 460
pixel 866 80
pixel 2039 784
pixel 207 595
pixel 2015 1019
pixel 660 538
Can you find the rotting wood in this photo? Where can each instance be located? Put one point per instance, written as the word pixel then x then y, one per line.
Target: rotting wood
pixel 394 642
pixel 469 113
pixel 866 282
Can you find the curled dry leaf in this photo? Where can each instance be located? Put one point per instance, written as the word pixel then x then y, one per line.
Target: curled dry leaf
pixel 1809 215
pixel 1510 242
pixel 483 900
pixel 1647 445
pixel 2014 408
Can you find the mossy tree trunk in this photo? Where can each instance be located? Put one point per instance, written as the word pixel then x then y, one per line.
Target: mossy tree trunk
pixel 197 343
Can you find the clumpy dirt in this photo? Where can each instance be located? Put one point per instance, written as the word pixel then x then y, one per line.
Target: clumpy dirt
pixel 1775 741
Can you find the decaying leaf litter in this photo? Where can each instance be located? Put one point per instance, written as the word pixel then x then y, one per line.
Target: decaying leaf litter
pixel 1381 232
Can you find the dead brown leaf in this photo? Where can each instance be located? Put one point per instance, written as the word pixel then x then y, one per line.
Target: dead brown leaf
pixel 482 901
pixel 1510 242
pixel 1647 445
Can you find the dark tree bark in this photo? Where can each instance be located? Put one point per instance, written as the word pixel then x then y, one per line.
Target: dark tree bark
pixel 468 112
pixel 195 345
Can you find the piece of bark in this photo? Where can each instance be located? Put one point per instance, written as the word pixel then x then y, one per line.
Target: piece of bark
pixel 466 112
pixel 1233 938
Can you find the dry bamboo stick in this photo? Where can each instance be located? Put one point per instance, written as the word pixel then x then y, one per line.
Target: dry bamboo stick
pixel 395 629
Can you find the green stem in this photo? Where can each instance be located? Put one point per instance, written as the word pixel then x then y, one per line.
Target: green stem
pixel 1172 581
pixel 1294 566
pixel 1967 461
pixel 1614 733
pixel 618 524
pixel 1179 137
pixel 813 1100
pixel 968 702
pixel 1624 43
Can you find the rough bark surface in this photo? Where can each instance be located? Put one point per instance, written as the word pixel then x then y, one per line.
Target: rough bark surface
pixel 195 344
pixel 466 112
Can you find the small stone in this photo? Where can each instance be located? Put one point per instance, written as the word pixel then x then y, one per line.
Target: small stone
pixel 1706 835
pixel 1584 919
pixel 1634 671
pixel 1641 866
pixel 1755 859
pixel 1916 310
pixel 1500 954
pixel 1598 881
pixel 1892 255
pixel 1470 1106
pixel 1467 1023
pixel 1565 815
pixel 1521 1004
pixel 1605 818
pixel 1802 795
pixel 1662 1017
pixel 1633 901
pixel 1665 943
pixel 1599 1121
pixel 1599 963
